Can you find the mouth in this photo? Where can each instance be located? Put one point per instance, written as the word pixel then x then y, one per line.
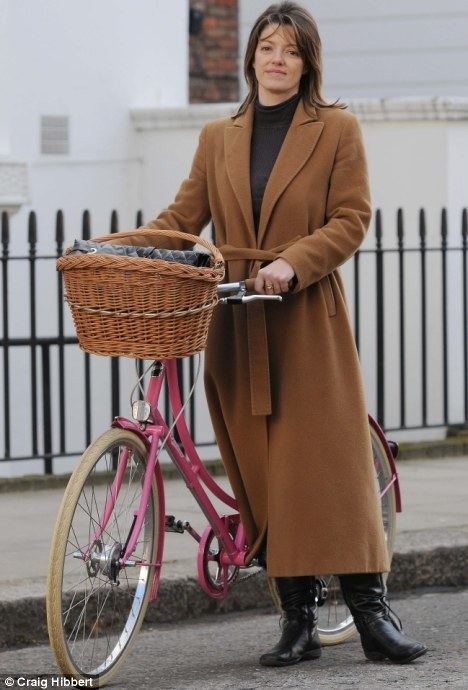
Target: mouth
pixel 276 71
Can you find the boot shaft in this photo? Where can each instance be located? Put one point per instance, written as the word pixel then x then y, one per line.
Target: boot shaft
pixel 295 592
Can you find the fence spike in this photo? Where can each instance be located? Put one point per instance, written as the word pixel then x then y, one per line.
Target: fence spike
pixel 400 227
pixel 59 234
pixel 86 225
pixel 443 227
pixel 5 230
pixel 114 222
pixel 32 231
pixel 378 228
pixel 422 227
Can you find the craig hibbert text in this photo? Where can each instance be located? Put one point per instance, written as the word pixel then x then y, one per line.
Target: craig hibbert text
pixel 49 682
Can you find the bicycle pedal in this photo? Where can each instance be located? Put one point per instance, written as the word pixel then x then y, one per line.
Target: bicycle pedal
pixel 173 525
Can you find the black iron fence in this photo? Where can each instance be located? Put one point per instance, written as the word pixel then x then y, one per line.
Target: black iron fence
pixel 48 431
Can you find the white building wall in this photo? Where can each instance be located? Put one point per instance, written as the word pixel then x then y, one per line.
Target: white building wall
pixel 5 75
pixel 92 62
pixel 380 48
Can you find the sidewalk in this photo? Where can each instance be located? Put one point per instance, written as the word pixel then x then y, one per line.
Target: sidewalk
pixel 431 546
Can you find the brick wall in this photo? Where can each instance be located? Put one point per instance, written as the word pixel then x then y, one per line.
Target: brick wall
pixel 213 51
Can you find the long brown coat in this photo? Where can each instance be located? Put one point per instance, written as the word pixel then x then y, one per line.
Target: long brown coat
pixel 283 381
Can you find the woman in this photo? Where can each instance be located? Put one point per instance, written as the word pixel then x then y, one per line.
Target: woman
pixel 285 182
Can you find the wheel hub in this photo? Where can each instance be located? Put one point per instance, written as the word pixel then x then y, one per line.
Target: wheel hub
pixel 105 559
pixel 322 591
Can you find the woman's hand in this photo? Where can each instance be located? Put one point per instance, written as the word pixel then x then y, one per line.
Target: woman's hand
pixel 274 278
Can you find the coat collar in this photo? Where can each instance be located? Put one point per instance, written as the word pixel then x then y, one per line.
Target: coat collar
pixel 299 143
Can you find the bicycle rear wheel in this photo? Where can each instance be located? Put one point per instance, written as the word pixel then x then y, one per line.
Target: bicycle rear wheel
pixel 335 621
pixel 95 607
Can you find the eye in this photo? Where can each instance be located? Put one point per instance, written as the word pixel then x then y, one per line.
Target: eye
pixel 265 48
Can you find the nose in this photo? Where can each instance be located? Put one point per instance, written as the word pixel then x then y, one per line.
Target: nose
pixel 278 57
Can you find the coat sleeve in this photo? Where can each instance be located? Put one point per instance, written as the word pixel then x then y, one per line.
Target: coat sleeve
pixel 348 213
pixel 189 212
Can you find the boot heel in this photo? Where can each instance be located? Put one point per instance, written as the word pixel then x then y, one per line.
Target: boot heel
pixel 374 656
pixel 313 654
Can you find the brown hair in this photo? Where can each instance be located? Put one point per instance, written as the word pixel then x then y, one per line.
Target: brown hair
pixel 310 48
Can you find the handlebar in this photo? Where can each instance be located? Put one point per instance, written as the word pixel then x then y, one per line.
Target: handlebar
pixel 241 289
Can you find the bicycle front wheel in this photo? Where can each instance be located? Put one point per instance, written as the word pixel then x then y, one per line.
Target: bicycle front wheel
pixel 95 606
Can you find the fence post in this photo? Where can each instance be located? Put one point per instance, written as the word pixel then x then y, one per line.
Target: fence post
pixel 6 352
pixel 443 233
pixel 59 236
pixel 401 296
pixel 32 239
pixel 46 409
pixel 380 322
pixel 422 254
pixel 464 233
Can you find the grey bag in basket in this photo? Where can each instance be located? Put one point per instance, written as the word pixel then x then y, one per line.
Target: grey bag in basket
pixel 188 257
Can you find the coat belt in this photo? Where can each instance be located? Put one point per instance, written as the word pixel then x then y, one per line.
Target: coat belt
pixel 257 342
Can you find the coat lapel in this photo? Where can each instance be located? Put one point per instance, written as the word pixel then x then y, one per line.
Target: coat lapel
pixel 237 156
pixel 298 145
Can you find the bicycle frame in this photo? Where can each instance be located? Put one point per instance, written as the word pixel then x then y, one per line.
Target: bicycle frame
pixel 190 466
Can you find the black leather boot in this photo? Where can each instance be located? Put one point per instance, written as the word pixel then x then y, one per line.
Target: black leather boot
pixel 381 637
pixel 300 638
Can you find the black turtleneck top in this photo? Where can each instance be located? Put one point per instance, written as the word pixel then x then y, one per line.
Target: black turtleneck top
pixel 270 125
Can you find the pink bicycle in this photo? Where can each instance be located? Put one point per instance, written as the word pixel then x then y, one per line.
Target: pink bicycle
pixel 107 549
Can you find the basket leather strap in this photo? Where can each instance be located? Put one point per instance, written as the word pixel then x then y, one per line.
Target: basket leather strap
pixel 257 341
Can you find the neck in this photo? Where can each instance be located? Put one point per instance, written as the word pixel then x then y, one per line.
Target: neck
pixel 269 98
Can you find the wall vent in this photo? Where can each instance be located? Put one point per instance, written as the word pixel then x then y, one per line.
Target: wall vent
pixel 55 134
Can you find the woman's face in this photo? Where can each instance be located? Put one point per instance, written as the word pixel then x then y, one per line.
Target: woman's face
pixel 278 65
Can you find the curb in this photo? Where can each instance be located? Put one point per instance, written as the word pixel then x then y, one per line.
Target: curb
pixel 36 482
pixel 453 446
pixel 23 622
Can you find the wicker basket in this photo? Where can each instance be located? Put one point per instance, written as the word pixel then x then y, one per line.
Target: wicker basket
pixel 143 308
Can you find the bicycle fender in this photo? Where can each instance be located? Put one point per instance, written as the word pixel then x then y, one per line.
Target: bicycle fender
pixel 128 425
pixel 390 457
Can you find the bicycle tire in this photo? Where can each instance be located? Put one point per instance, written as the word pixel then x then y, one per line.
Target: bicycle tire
pixel 59 577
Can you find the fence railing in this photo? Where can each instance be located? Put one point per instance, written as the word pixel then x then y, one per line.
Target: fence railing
pixel 45 388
